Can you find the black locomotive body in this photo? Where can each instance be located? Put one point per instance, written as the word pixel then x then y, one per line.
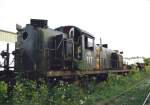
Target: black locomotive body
pixel 62 51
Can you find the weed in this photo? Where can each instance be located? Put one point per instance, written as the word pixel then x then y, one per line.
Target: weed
pixel 26 92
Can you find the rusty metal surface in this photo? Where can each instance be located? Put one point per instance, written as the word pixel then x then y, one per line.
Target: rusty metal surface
pixel 53 73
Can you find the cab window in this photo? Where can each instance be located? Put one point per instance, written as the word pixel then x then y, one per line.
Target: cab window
pixel 89 43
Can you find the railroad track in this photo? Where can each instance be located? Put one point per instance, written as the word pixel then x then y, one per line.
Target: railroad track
pixel 111 100
pixel 147 100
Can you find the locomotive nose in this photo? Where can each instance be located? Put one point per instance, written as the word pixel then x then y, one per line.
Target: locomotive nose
pixel 28 47
pixel 28 41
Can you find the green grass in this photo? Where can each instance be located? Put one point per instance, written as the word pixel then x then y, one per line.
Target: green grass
pixel 135 96
pixel 26 92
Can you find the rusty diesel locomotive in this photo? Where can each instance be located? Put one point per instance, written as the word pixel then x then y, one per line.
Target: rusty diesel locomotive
pixel 62 52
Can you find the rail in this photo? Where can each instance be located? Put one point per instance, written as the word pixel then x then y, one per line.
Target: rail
pixel 147 99
pixel 108 102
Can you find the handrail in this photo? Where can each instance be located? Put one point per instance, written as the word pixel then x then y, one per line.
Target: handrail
pixel 58 45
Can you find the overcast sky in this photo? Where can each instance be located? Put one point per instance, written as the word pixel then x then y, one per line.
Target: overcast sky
pixel 123 24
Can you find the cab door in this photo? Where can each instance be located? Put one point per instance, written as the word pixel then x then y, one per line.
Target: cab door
pixel 68 54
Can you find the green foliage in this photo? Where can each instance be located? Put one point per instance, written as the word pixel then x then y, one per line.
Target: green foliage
pixel 147 61
pixel 27 92
pixel 3 92
pixel 64 94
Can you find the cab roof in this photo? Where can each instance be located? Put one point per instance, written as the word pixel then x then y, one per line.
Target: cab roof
pixel 77 28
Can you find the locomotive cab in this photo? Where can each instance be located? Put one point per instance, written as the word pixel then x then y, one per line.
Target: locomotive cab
pixel 83 47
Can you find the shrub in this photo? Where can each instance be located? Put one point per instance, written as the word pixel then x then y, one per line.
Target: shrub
pixel 3 92
pixel 64 94
pixel 27 93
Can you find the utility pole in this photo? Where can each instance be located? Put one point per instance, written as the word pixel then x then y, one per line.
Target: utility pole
pixel 100 51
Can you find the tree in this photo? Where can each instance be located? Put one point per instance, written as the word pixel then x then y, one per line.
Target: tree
pixel 147 61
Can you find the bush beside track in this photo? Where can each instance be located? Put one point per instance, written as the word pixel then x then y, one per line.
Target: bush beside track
pixel 26 92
